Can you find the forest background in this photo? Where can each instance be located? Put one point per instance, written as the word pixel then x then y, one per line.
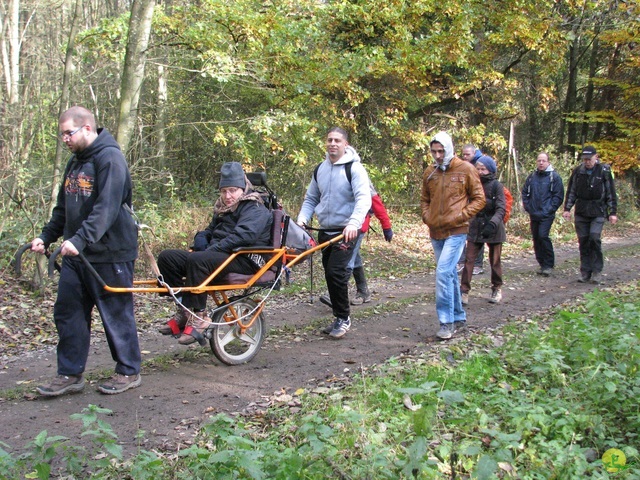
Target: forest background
pixel 188 85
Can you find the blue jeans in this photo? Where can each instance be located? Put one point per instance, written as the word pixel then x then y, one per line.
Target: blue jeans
pixel 448 301
pixel 356 259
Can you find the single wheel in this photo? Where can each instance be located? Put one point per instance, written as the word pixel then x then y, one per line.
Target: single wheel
pixel 232 345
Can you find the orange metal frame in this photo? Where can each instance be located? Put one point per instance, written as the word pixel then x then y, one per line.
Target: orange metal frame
pixel 219 292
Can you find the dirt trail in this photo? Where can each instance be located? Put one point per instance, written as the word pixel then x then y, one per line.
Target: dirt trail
pixel 176 398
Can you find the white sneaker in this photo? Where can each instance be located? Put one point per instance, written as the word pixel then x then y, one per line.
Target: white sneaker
pixel 465 298
pixel 496 296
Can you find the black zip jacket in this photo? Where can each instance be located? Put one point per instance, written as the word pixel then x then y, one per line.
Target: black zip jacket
pixel 594 194
pixel 90 210
pixel 248 226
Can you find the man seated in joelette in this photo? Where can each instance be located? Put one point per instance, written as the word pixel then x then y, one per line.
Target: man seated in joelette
pixel 240 219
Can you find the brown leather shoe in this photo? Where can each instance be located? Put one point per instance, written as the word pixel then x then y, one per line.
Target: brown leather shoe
pixel 176 324
pixel 194 329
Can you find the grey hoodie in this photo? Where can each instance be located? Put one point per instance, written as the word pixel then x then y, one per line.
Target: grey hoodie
pixel 336 202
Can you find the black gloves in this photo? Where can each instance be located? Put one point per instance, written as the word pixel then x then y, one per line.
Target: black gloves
pixel 488 230
pixel 200 243
pixel 388 234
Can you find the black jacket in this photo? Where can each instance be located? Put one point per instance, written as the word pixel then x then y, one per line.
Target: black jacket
pixel 493 212
pixel 248 226
pixel 90 210
pixel 542 194
pixel 593 194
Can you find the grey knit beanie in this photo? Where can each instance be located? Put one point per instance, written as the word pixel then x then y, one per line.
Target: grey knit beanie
pixel 232 175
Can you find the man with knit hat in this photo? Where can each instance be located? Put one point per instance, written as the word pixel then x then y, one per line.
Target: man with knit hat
pixel 240 219
pixel 451 195
pixel 592 190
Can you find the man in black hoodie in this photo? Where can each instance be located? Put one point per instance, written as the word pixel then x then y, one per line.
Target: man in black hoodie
pixel 92 214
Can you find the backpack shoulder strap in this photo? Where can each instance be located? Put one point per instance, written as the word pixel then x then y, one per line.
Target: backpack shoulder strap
pixel 347 170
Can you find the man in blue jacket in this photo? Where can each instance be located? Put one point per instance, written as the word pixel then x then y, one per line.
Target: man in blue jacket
pixel 92 214
pixel 542 196
pixel 341 204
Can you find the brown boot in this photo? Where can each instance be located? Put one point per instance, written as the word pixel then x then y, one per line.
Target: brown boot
pixel 194 329
pixel 176 324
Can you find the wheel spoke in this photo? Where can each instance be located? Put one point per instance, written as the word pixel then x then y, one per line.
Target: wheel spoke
pixel 245 337
pixel 227 338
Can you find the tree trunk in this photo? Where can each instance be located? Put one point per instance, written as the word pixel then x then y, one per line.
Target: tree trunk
pixel 61 149
pixel 161 118
pixel 570 99
pixel 588 97
pixel 134 65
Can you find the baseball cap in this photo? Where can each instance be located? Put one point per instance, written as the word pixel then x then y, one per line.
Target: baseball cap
pixel 589 151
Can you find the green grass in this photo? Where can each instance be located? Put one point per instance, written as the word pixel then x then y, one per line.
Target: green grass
pixel 558 393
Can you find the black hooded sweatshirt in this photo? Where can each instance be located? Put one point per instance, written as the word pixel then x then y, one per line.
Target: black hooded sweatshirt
pixel 90 210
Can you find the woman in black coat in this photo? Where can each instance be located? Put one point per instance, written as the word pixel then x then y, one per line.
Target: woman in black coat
pixel 486 227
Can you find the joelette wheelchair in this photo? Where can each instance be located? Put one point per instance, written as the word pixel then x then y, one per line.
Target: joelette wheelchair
pixel 237 329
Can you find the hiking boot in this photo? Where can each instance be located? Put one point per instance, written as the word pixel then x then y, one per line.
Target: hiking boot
pixel 584 278
pixel 596 278
pixel 446 331
pixel 496 295
pixel 361 297
pixel 195 328
pixel 176 324
pixel 546 272
pixel 62 384
pixel 326 300
pixel 465 298
pixel 341 327
pixel 478 270
pixel 119 383
pixel 329 328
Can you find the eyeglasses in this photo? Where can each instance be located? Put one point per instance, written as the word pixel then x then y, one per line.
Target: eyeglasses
pixel 69 134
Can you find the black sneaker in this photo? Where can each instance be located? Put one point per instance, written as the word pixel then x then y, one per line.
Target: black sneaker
pixel 584 278
pixel 326 300
pixel 341 327
pixel 62 384
pixel 329 328
pixel 119 383
pixel 446 331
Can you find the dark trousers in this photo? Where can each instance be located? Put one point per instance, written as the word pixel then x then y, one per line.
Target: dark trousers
pixel 180 268
pixel 335 260
pixel 542 245
pixel 589 231
pixel 479 258
pixel 78 293
pixel 495 252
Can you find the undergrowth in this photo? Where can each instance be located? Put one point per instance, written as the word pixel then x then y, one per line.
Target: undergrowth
pixel 548 403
